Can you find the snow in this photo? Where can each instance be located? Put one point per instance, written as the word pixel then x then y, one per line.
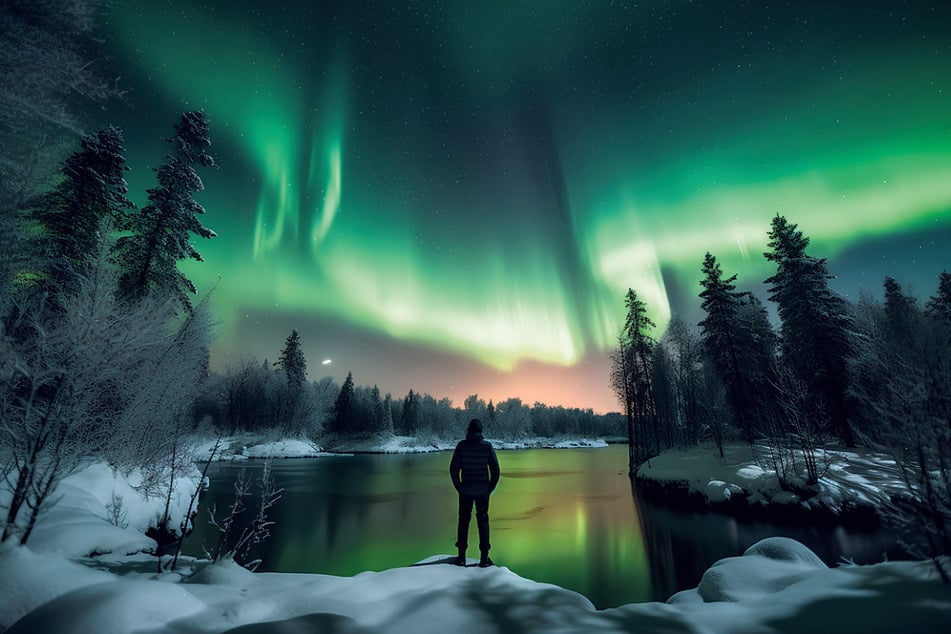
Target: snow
pixel 765 568
pixel 286 448
pixel 856 478
pixel 82 512
pixel 247 446
pixel 777 585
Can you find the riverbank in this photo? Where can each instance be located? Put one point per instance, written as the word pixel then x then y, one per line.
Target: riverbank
pixel 105 583
pixel 855 484
pixel 250 446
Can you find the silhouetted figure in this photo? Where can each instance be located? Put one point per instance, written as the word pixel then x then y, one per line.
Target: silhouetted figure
pixel 474 470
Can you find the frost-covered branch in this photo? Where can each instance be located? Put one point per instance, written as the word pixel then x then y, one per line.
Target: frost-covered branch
pixel 259 528
pixel 92 376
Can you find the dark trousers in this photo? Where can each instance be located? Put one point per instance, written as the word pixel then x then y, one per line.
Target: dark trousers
pixel 482 520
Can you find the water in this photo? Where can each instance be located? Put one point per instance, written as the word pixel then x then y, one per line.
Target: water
pixel 562 516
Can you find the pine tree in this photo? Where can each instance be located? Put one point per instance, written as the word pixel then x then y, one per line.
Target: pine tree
pixel 160 234
pixel 726 342
pixel 901 312
pixel 292 362
pixel 409 418
pixel 631 379
pixel 386 426
pixel 758 344
pixel 343 422
pixel 816 323
pixel 939 310
pixel 375 422
pixel 939 305
pixel 78 214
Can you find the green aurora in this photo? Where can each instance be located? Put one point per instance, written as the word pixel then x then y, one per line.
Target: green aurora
pixel 468 192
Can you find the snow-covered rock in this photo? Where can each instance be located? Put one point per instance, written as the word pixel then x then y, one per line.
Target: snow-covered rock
pixel 285 448
pixel 766 567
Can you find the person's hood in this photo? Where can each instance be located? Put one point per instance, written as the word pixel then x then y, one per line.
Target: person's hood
pixel 474 435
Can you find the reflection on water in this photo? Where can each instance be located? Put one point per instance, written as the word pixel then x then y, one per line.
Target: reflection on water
pixel 683 545
pixel 563 516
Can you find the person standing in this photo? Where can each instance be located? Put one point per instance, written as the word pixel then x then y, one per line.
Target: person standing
pixel 474 470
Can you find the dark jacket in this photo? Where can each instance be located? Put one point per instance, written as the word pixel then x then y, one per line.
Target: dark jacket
pixel 474 468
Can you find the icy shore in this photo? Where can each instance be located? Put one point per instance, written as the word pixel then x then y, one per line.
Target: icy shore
pixel 853 486
pixel 248 446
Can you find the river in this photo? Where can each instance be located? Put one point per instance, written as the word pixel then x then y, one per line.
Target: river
pixel 562 516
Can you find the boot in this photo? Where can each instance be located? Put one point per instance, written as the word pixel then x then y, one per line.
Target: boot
pixel 485 562
pixel 460 559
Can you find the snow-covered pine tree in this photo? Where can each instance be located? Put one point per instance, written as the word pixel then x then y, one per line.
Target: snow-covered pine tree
pixel 816 323
pixel 160 233
pixel 77 215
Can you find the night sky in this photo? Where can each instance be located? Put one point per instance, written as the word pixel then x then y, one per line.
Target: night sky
pixel 454 197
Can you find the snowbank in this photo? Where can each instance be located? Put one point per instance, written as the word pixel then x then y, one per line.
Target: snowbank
pixel 854 485
pixel 777 586
pixel 98 510
pixel 246 446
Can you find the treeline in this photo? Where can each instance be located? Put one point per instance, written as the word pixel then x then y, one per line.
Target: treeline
pixel 828 374
pixel 875 373
pixel 102 349
pixel 277 400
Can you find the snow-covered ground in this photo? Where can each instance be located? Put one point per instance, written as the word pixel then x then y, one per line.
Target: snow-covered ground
pixel 776 586
pixel 245 446
pixel 852 479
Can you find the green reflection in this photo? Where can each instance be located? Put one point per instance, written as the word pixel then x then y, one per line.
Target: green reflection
pixel 558 516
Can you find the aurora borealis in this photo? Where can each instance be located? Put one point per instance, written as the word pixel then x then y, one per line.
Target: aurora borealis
pixel 453 197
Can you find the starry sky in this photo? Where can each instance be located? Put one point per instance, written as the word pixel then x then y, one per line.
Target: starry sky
pixel 454 196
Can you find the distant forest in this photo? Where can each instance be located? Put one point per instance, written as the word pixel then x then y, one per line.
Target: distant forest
pixel 276 399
